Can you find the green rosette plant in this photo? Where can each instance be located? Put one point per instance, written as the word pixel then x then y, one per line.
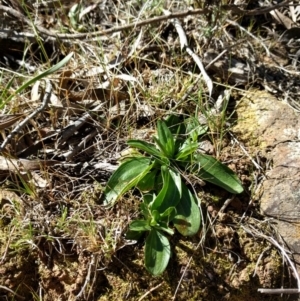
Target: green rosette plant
pixel 156 170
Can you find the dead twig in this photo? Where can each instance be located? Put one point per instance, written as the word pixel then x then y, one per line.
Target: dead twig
pixel 11 291
pixel 225 205
pixel 48 33
pixel 184 45
pixel 251 230
pixel 250 34
pixel 21 37
pixel 258 167
pixel 52 35
pixel 80 146
pixel 150 291
pixel 273 291
pixel 69 131
pixel 21 125
pixel 87 279
pixel 255 12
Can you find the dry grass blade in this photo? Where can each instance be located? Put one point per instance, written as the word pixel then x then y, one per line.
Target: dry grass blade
pixel 7 121
pixel 20 126
pixel 15 165
pixel 184 45
pixel 11 291
pixel 251 230
pixel 295 12
pixel 282 19
pixel 132 65
pixel 275 291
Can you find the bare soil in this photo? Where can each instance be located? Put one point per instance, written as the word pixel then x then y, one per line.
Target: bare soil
pixel 57 240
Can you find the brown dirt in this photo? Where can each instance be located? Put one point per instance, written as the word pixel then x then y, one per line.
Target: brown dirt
pixel 57 241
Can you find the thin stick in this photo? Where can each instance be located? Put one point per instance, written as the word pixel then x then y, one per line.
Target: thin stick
pixel 184 45
pixel 225 205
pixel 7 245
pixel 87 278
pixel 255 12
pixel 52 35
pixel 245 152
pixel 21 125
pixel 278 246
pixel 150 291
pixel 11 291
pixel 48 33
pixel 273 291
pixel 70 130
pixel 183 274
pixel 250 34
pixel 69 155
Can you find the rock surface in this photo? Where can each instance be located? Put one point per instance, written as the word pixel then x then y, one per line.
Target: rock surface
pixel 272 128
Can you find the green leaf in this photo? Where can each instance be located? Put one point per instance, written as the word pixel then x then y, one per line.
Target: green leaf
pixel 161 146
pixel 157 252
pixel 177 180
pixel 146 147
pixel 178 130
pixel 134 235
pixel 5 91
pixel 148 198
pixel 165 139
pixel 175 125
pixel 187 220
pixel 125 177
pixel 155 218
pixel 194 128
pixel 169 213
pixel 147 183
pixel 186 150
pixel 170 193
pixel 139 225
pixel 145 210
pixel 74 15
pixel 163 226
pixel 41 75
pixel 159 182
pixel 211 170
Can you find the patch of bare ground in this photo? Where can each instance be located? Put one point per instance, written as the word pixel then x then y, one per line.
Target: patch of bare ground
pixel 128 69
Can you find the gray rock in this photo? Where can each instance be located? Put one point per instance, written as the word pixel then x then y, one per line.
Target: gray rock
pixel 273 128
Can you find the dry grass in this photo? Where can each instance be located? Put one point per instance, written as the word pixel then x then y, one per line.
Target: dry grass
pixel 57 242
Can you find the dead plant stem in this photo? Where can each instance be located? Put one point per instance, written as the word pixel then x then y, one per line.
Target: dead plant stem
pixel 49 34
pixel 21 125
pixel 150 291
pixel 11 291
